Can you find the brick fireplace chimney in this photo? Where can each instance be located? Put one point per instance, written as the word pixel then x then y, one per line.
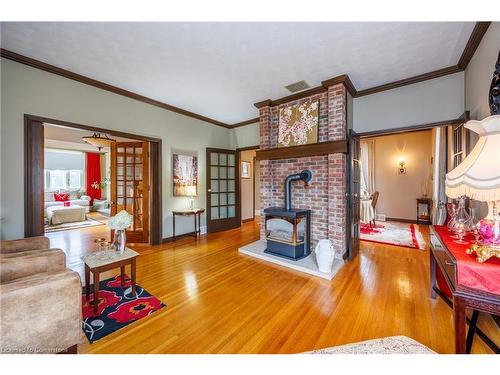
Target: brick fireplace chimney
pixel 325 195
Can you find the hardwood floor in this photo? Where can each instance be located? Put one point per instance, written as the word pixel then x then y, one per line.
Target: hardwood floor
pixel 220 301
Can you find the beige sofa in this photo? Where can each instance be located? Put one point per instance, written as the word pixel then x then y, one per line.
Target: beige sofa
pixel 40 299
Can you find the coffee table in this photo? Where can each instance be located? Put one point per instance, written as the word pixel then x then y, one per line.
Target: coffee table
pixel 102 261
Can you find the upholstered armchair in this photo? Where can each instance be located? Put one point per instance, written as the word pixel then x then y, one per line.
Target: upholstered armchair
pixel 40 300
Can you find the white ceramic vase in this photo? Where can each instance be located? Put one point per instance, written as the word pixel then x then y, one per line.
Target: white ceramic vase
pixel 324 255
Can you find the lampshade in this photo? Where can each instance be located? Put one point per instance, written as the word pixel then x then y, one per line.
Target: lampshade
pixel 478 176
pixel 191 190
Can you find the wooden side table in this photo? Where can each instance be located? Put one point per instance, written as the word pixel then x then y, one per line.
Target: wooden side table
pixel 104 261
pixel 425 216
pixel 197 220
pixel 444 258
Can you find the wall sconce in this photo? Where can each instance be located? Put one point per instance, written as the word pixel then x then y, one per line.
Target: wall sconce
pixel 402 166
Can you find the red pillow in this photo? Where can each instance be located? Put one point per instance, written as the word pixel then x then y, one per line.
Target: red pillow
pixel 61 197
pixel 67 203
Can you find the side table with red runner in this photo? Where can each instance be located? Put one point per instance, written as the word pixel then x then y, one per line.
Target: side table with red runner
pixel 472 285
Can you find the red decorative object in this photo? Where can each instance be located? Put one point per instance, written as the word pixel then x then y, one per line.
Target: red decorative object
pixel 61 197
pixel 93 173
pixel 470 273
pixel 106 298
pixel 67 203
pixel 135 309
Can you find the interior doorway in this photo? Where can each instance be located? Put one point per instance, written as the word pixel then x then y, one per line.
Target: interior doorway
pixel 402 180
pixel 249 184
pixel 66 177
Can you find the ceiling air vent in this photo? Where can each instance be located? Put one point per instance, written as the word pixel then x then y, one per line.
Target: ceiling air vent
pixel 297 86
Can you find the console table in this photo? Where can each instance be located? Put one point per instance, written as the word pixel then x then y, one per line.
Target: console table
pixel 197 219
pixel 473 285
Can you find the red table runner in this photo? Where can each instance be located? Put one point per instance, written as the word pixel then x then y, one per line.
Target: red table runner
pixel 470 273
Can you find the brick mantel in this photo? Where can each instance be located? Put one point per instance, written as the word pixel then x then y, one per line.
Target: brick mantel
pixel 325 195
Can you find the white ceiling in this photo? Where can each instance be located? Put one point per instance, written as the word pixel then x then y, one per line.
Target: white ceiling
pixel 219 70
pixel 71 138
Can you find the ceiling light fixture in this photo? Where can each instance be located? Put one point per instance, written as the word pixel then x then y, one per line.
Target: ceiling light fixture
pixel 98 140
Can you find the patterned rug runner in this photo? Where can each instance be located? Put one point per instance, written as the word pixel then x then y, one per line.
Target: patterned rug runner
pixel 393 233
pixel 75 225
pixel 117 307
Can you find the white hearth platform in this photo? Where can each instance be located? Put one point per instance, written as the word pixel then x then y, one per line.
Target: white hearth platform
pixel 307 265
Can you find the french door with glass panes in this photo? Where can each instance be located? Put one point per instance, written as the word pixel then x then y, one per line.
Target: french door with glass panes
pixel 130 186
pixel 223 190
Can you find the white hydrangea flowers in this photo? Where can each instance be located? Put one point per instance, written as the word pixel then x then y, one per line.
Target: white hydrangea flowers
pixel 121 221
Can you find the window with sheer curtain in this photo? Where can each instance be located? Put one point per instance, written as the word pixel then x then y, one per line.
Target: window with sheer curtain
pixel 367 166
pixel 59 179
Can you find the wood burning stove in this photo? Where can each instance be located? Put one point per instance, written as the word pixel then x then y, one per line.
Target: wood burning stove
pixel 288 230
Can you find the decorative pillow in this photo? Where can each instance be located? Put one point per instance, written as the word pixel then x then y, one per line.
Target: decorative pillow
pixel 61 197
pixel 85 198
pixel 66 203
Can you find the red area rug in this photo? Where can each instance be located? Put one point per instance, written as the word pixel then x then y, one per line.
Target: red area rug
pixel 393 233
pixel 117 308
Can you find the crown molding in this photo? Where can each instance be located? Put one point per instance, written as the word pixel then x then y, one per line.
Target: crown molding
pixel 344 79
pixel 103 86
pixel 470 48
pixel 247 122
pixel 474 40
pixel 410 81
pixel 472 44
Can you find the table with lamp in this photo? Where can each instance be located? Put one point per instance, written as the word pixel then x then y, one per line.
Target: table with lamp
pixel 465 254
pixel 191 192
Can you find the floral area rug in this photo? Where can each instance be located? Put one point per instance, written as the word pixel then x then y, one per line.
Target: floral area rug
pixel 117 307
pixel 393 233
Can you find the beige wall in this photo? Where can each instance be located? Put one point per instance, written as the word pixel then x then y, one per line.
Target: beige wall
pixel 479 73
pixel 247 187
pixel 421 103
pixel 245 136
pixel 26 90
pixel 399 192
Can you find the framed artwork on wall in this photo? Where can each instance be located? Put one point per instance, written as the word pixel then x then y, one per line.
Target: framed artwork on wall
pixel 298 124
pixel 185 175
pixel 245 169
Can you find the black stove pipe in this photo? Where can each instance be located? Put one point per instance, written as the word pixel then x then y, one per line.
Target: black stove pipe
pixel 305 176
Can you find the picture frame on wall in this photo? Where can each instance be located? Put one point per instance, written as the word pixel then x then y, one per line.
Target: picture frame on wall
pixel 185 175
pixel 246 167
pixel 298 124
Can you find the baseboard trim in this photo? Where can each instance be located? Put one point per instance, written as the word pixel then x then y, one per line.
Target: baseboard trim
pixel 247 220
pixel 401 220
pixel 177 237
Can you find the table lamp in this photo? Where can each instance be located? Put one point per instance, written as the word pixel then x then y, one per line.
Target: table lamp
pixel 191 192
pixel 478 177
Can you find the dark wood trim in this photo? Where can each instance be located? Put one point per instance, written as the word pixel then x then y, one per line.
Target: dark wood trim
pixel 247 122
pixel 33 178
pixel 408 129
pixel 103 86
pixel 156 223
pixel 248 148
pixel 92 128
pixel 344 79
pixel 34 183
pixel 467 54
pixel 315 149
pixel 411 80
pixel 249 219
pixel 408 221
pixel 291 98
pixel 474 40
